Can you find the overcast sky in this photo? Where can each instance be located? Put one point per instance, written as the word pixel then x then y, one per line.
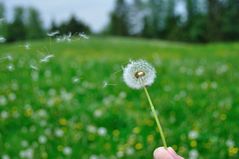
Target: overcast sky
pixel 93 12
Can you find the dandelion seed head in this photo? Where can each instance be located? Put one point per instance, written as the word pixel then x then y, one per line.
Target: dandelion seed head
pixel 2 40
pixel 67 150
pixel 10 67
pixel 59 132
pixel 5 156
pixel 42 139
pixel 138 74
pixel 27 46
pixel 102 131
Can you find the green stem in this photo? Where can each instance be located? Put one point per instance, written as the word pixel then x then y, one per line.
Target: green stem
pixel 156 118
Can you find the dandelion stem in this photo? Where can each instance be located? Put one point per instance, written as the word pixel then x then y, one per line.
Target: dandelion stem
pixel 156 118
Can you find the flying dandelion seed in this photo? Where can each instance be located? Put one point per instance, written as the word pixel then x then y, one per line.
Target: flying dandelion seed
pixel 105 84
pixel 51 34
pixel 140 74
pixel 34 67
pixel 46 58
pixel 2 39
pixel 84 36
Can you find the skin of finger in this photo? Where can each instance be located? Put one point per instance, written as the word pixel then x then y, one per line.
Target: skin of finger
pixel 174 153
pixel 161 153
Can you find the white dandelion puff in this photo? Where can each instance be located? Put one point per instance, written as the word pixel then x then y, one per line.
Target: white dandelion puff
pixel 10 67
pixel 138 74
pixel 102 131
pixel 5 156
pixel 67 150
pixel 42 139
pixel 27 46
pixel 2 39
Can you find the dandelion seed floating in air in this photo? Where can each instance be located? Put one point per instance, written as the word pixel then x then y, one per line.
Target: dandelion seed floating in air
pixel 51 34
pixel 34 67
pixel 46 58
pixel 140 74
pixel 84 36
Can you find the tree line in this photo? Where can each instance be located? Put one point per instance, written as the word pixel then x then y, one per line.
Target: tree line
pixel 27 25
pixel 199 20
pixel 179 20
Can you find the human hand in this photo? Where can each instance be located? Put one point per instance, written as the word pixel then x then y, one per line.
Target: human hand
pixel 169 153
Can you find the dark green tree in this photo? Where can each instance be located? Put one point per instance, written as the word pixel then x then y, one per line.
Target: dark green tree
pixel 172 30
pixel 73 26
pixel 54 26
pixel 231 20
pixel 34 25
pixel 119 19
pixel 214 20
pixel 3 24
pixel 135 17
pixel 195 27
pixel 17 29
pixel 154 19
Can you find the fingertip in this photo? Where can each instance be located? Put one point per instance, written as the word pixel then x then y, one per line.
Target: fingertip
pixel 171 150
pixel 159 153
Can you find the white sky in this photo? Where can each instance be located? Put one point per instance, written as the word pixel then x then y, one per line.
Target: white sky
pixel 93 12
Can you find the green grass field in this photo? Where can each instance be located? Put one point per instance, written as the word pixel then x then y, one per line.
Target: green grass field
pixel 76 105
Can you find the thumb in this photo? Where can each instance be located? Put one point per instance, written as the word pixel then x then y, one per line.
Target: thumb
pixel 162 153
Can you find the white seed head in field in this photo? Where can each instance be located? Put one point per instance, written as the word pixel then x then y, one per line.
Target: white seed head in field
pixel 138 74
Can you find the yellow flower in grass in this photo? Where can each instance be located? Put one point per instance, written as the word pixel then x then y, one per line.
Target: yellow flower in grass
pixel 193 143
pixel 116 133
pixel 136 130
pixel 232 151
pixel 28 112
pixel 138 146
pixel 150 139
pixel 63 121
pixel 91 137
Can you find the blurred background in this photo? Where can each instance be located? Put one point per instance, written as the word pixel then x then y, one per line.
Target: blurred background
pixel 183 20
pixel 61 88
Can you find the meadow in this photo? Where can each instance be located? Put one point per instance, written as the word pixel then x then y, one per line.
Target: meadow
pixel 68 100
